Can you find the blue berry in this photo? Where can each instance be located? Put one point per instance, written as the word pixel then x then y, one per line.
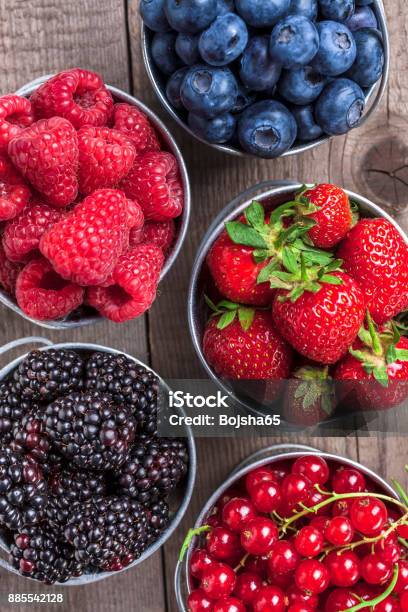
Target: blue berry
pixel 224 40
pixel 307 8
pixel 217 130
pixel 190 15
pixel 152 13
pixel 225 6
pixel 337 50
pixel 340 107
pixel 173 88
pixel 294 41
pixel 259 71
pixel 209 91
pixel 187 48
pixel 363 2
pixel 337 10
pixel 308 129
pixel 262 13
pixel 301 86
pixel 244 99
pixel 267 129
pixel 369 64
pixel 363 17
pixel 163 51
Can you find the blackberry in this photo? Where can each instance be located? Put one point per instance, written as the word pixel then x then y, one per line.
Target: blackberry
pixel 159 518
pixel 23 490
pixel 108 532
pixel 38 554
pixel 12 410
pixel 46 375
pixel 129 384
pixel 90 430
pixel 154 468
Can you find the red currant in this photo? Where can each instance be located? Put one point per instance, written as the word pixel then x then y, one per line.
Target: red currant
pixel 214 520
pixel 283 559
pixel 247 585
pixel 388 549
pixel 259 535
pixel 344 568
pixel 342 507
pixel 296 489
pixel 404 601
pixel 348 480
pixel 316 498
pixel 368 515
pixel 269 599
pixel 198 601
pixel 320 523
pixel 315 468
pixel 229 604
pixel 229 494
pixel 222 544
pixel 341 599
pixel 339 531
pixel 262 474
pixel 366 592
pixel 283 581
pixel 298 596
pixel 390 604
pixel 237 512
pixel 312 576
pixel 402 582
pixel 300 608
pixel 200 560
pixel 257 565
pixel 309 541
pixel 402 531
pixel 218 580
pixel 280 470
pixel 266 496
pixel 374 570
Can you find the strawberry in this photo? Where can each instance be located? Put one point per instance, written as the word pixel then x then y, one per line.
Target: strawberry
pixel 320 317
pixel 376 255
pixel 378 366
pixel 241 343
pixel 309 396
pixel 47 155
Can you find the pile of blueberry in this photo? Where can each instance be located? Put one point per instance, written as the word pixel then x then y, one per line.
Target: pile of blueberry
pixel 262 74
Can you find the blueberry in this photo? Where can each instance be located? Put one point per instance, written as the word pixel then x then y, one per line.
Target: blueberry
pixel 152 13
pixel 294 41
pixel 307 8
pixel 217 130
pixel 369 64
pixel 337 50
pixel 308 129
pixel 245 98
pixel 262 13
pixel 190 15
pixel 187 48
pixel 337 10
pixel 340 106
pixel 363 2
pixel 259 71
pixel 173 88
pixel 209 91
pixel 301 86
pixel 225 6
pixel 363 17
pixel 163 51
pixel 224 40
pixel 267 129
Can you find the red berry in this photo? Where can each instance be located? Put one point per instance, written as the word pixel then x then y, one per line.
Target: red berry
pixel 333 218
pixel 14 193
pixel 44 295
pixel 315 469
pixel 257 565
pixel 298 596
pixel 247 585
pixel 390 604
pixel 9 272
pixel 154 182
pixel 309 541
pixel 269 599
pixel 136 126
pixel 229 494
pixel 77 95
pixel 200 560
pixel 342 507
pixel 161 234
pixel 339 531
pixel 229 604
pixel 374 570
pixel 320 523
pixel 15 114
pixel 283 559
pixel 300 607
pixel 218 580
pixel 348 480
pixel 296 489
pixel 222 544
pixel 388 549
pixel 344 568
pixel 259 535
pixel 368 515
pixel 280 470
pixel 312 576
pixel 266 497
pixel 340 600
pixel 237 512
pixel 404 601
pixel 402 582
pixel 198 601
pixel 316 498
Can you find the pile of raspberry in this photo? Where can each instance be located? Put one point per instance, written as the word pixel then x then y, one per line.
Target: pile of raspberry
pixel 302 536
pixel 88 201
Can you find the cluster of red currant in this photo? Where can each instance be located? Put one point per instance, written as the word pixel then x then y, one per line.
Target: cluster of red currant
pixel 302 536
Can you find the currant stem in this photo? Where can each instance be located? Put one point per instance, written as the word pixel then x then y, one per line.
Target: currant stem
pixel 374 602
pixel 241 564
pixel 191 534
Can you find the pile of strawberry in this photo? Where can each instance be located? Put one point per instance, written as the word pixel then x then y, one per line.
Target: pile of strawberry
pixel 309 292
pixel 88 200
pixel 301 536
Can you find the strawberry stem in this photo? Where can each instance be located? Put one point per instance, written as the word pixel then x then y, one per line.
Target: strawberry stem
pixel 374 602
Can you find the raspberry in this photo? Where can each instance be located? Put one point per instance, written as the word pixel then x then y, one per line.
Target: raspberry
pixel 15 114
pixel 105 157
pixel 136 277
pixel 22 235
pixel 14 193
pixel 135 125
pixel 44 295
pixel 84 246
pixel 47 154
pixel 77 95
pixel 9 272
pixel 154 182
pixel 161 234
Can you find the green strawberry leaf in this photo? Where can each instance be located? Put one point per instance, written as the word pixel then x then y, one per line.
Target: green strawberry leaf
pixel 211 304
pixel 265 274
pixel 289 260
pixel 381 375
pixel 245 235
pixel 282 210
pixel 401 354
pixel 227 305
pixel 246 317
pixel 255 215
pixel 260 255
pixel 226 319
pixel 334 265
pixel 391 356
pixel 331 280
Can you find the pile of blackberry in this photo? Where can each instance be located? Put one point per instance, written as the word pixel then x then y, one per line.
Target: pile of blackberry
pixel 84 478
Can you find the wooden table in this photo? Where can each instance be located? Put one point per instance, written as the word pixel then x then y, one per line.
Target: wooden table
pixel 44 36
